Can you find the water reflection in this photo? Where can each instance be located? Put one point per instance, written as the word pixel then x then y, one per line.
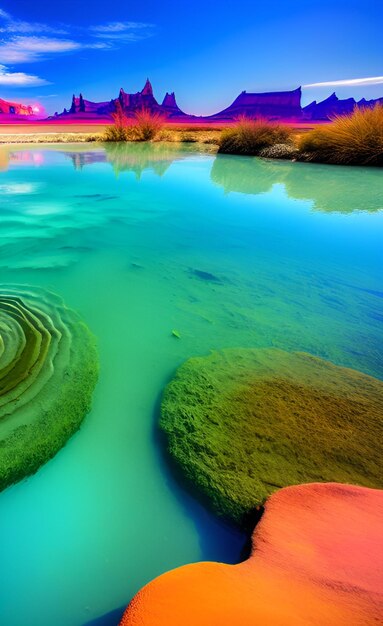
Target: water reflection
pixel 36 216
pixel 19 157
pixel 131 157
pixel 329 187
pixel 155 157
pixel 81 158
pixel 143 156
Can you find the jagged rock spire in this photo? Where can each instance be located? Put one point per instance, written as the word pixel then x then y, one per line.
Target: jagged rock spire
pixel 148 89
pixel 81 104
pixel 169 100
pixel 73 105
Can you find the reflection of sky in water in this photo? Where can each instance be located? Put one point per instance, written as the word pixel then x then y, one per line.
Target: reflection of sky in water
pixel 27 240
pixel 20 188
pixel 65 207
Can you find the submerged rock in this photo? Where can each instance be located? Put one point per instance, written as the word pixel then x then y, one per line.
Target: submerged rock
pixel 279 151
pixel 48 370
pixel 207 276
pixel 316 560
pixel 243 422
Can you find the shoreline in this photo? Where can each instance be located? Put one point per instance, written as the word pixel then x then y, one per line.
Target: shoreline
pixel 53 138
pixel 207 140
pixel 90 132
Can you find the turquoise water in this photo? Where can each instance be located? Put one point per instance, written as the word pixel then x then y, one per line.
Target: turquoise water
pixel 143 240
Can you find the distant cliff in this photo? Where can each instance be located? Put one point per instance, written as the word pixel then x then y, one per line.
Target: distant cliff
pixel 278 105
pixel 14 108
pixel 332 105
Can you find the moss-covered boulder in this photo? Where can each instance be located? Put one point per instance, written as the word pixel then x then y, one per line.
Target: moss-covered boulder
pixel 242 423
pixel 48 370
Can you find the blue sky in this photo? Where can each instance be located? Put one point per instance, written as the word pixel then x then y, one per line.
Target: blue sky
pixel 207 52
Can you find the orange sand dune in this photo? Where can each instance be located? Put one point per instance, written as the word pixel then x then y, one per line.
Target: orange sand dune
pixel 317 560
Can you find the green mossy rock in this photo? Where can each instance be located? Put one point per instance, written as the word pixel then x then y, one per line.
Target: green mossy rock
pixel 48 370
pixel 242 423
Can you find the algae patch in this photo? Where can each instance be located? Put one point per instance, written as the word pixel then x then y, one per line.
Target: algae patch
pixel 243 422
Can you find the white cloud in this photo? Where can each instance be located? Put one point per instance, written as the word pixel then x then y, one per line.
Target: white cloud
pixel 10 25
pixel 118 27
pixel 124 36
pixel 350 82
pixel 29 42
pixel 98 45
pixel 30 27
pixel 29 49
pixel 19 79
pixel 123 31
pixel 26 42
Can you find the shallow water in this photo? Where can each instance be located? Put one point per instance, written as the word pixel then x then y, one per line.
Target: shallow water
pixel 143 240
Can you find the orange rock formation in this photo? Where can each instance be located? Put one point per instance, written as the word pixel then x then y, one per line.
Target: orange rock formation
pixel 317 560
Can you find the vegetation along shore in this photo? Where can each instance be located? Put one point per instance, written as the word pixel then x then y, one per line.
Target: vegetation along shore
pixel 350 139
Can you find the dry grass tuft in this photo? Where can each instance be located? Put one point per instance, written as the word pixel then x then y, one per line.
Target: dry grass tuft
pixel 354 139
pixel 147 125
pixel 188 137
pixel 251 136
pixel 118 131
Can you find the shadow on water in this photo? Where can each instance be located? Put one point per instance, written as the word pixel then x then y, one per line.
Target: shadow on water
pixel 108 619
pixel 219 541
pixel 344 192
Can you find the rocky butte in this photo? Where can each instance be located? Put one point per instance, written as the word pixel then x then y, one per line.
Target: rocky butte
pixel 275 105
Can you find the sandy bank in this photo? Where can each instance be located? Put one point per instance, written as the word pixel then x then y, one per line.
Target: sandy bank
pixel 317 561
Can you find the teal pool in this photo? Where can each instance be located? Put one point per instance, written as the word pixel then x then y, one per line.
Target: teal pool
pixel 143 240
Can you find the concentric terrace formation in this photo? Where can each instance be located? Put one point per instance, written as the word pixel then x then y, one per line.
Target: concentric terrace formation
pixel 242 423
pixel 48 370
